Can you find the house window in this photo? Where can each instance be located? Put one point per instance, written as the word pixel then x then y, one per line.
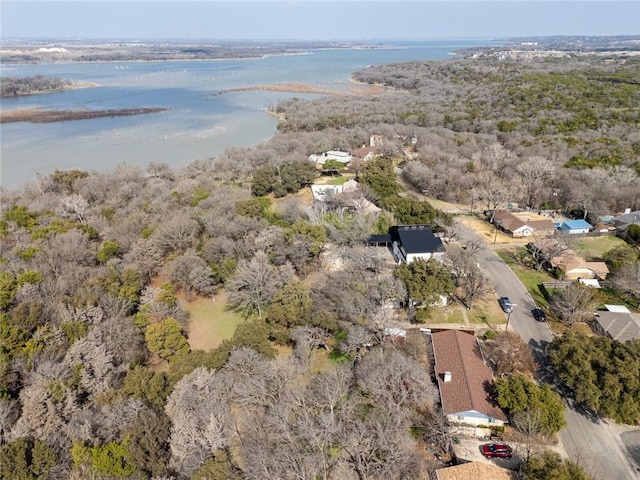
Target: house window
pixel 460 417
pixel 492 420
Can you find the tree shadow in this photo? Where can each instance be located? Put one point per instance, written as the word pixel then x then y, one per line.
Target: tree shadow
pixel 547 374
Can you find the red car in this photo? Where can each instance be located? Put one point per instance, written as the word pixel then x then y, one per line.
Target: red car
pixel 493 450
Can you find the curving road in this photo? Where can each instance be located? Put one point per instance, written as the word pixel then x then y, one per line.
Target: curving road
pixel 588 440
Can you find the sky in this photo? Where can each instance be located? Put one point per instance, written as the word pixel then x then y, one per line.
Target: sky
pixel 314 20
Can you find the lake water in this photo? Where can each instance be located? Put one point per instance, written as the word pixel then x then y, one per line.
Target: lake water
pixel 197 125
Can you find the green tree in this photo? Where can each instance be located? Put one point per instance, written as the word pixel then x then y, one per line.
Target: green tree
pixel 378 175
pixel 314 235
pixel 290 307
pixel 108 250
pixel 131 285
pixel 153 387
pixel 263 181
pixel 253 334
pixel 603 373
pixel 426 280
pixel 618 257
pixel 26 459
pixel 220 466
pixel 517 393
pixel 165 339
pixel 111 459
pixel 333 166
pixel 253 207
pixel 8 288
pixel 550 466
pixel 149 442
pixel 633 233
pixel 409 211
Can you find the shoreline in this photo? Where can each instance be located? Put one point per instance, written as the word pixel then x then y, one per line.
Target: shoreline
pixel 38 115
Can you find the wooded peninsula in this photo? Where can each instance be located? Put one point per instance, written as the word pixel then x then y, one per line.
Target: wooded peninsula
pixel 110 369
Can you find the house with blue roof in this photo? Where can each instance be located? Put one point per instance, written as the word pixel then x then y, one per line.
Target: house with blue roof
pixel 576 227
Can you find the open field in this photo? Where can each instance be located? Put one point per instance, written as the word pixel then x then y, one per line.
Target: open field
pixel 210 323
pixel 488 233
pixel 592 248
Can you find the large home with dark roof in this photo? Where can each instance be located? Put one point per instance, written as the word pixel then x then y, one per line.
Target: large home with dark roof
pixel 464 379
pixel 409 242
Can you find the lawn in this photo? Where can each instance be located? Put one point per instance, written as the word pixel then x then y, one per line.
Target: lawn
pixel 331 180
pixel 529 277
pixel 592 248
pixel 210 323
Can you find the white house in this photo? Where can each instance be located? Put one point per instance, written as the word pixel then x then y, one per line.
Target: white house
pixel 338 156
pixel 409 242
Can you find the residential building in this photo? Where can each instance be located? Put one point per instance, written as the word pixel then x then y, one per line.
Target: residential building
pixel 575 227
pixel 319 160
pixel 464 380
pixel 522 224
pixel 573 266
pixel 409 242
pixel 619 325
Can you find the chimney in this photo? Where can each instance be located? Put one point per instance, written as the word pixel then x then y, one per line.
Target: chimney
pixel 447 376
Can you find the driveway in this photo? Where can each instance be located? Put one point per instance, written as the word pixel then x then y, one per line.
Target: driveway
pixel 587 439
pixel 469 449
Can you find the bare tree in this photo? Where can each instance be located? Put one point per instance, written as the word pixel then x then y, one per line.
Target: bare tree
pixel 576 303
pixel 510 354
pixel 176 235
pixel 536 172
pixel 255 283
pixel 191 273
pixel 471 282
pixel 627 279
pixel 200 419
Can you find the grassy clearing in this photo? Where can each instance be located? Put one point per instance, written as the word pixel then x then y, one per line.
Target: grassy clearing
pixel 580 327
pixel 210 322
pixel 529 277
pixel 592 248
pixel 331 180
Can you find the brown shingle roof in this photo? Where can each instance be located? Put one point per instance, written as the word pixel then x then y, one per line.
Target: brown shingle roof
pixel 469 389
pixel 507 221
pixel 475 471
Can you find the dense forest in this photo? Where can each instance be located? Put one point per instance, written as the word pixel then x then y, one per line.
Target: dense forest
pixel 97 376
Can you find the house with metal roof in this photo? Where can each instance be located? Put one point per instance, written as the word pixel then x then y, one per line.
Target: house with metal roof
pixel 576 227
pixel 410 242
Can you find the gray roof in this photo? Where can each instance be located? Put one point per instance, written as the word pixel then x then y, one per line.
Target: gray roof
pixel 620 326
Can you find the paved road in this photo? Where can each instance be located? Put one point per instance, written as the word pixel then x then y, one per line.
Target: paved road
pixel 591 442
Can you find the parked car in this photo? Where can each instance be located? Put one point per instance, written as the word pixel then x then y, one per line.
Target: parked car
pixel 539 314
pixel 505 304
pixel 496 450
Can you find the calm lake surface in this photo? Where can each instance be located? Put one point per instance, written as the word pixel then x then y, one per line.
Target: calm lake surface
pixel 197 125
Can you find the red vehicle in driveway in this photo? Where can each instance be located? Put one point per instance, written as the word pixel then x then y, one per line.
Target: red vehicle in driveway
pixel 496 450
